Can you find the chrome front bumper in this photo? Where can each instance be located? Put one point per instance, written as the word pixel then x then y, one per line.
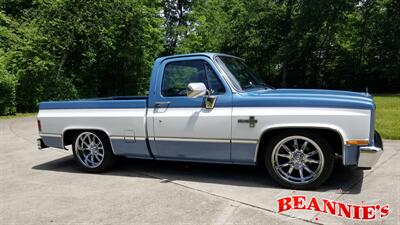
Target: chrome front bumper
pixel 369 155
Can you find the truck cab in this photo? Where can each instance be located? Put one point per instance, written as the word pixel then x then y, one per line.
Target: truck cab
pixel 181 127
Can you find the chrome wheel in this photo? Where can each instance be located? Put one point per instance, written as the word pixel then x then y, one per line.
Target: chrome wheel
pixel 89 149
pixel 297 160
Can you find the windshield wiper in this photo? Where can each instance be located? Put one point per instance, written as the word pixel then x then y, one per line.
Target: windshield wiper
pixel 260 85
pixel 266 86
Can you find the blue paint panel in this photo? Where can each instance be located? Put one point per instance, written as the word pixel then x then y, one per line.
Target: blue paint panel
pixel 372 128
pixel 275 98
pixel 194 160
pixel 319 92
pixel 186 102
pixel 136 149
pixel 350 157
pixel 93 104
pixel 243 153
pixel 55 142
pixel 197 151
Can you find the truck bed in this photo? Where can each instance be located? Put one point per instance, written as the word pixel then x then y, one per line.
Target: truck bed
pixel 122 118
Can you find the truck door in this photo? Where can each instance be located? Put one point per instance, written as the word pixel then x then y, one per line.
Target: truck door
pixel 183 128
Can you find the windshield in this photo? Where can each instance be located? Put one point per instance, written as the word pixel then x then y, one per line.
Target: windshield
pixel 240 75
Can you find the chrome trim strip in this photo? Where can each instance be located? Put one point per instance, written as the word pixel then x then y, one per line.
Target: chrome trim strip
pixel 125 137
pixel 51 135
pixel 214 140
pixel 243 141
pixel 117 137
pixel 192 139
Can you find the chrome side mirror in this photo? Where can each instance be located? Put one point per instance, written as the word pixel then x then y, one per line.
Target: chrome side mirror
pixel 194 90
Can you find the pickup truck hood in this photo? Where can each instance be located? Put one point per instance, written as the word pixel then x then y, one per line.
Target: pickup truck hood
pixel 305 98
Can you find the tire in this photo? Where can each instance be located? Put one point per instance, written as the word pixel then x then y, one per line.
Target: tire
pixel 92 151
pixel 302 167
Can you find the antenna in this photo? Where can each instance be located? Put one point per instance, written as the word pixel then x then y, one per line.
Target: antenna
pixel 366 90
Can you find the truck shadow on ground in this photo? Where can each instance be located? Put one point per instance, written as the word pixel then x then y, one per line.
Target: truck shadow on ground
pixel 342 181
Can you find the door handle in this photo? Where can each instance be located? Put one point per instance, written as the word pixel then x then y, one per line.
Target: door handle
pixel 159 104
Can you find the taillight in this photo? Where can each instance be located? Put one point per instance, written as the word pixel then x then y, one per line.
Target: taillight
pixel 39 126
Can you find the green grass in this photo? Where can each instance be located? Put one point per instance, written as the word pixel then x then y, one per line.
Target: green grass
pixel 18 115
pixel 388 116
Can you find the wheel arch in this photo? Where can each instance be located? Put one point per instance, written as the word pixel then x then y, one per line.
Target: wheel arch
pixel 69 133
pixel 333 135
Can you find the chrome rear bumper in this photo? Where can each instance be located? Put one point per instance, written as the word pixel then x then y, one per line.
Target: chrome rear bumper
pixel 369 155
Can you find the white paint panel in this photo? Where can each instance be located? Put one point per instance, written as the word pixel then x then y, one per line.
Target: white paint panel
pixel 192 133
pixel 351 123
pixel 191 122
pixel 113 121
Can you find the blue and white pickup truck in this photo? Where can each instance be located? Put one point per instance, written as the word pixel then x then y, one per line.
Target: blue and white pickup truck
pixel 211 107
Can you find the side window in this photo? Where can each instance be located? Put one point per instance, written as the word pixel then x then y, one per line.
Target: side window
pixel 177 75
pixel 214 84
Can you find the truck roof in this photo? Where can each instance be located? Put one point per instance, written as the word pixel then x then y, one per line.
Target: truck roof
pixel 207 54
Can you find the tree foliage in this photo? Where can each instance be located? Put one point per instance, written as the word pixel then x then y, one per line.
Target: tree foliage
pixel 7 91
pixel 7 80
pixel 72 48
pixel 339 44
pixel 65 49
pixel 175 14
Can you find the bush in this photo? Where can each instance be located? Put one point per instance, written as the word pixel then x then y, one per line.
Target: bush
pixel 7 93
pixel 40 81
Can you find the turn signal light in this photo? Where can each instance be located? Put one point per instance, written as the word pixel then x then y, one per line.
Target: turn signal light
pixel 357 142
